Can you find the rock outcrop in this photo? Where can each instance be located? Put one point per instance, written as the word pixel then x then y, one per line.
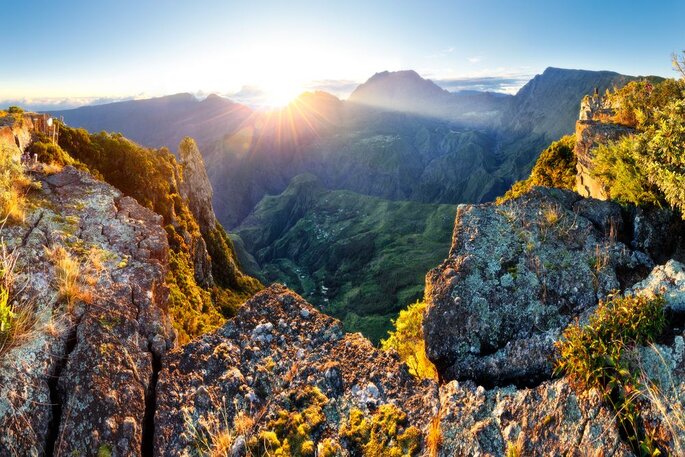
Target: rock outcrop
pixel 195 186
pixel 82 382
pixel 516 276
pixel 276 347
pixel 589 135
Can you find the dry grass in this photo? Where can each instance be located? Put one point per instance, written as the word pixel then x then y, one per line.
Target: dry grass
pixel 52 168
pixel 668 403
pixel 17 318
pixel 434 437
pixel 14 184
pixel 71 277
pixel 243 424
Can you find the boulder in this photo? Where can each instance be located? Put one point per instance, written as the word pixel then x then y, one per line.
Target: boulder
pixel 667 280
pixel 516 276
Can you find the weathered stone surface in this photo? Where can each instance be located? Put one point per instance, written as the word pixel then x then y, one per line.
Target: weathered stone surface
pixel 669 281
pixel 81 383
pixel 276 345
pixel 659 232
pixel 589 135
pixel 516 276
pixel 547 420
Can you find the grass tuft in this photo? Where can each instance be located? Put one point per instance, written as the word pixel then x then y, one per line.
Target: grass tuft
pixel 595 356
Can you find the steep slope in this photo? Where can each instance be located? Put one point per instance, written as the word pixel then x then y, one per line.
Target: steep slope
pixel 548 103
pixel 356 257
pixel 204 277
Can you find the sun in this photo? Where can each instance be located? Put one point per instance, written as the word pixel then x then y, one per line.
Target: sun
pixel 279 94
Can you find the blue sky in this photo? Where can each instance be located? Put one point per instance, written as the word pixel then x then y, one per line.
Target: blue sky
pixel 74 52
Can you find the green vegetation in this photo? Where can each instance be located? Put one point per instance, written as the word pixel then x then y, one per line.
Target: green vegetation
pixel 14 184
pixel 407 340
pixel 152 177
pixel 647 168
pixel 292 433
pixel 16 318
pixel 358 258
pixel 596 356
pixel 638 102
pixel 50 153
pixel 15 110
pixel 7 315
pixel 556 167
pixel 385 434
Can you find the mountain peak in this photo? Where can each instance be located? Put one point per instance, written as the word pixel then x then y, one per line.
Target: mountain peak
pixel 402 90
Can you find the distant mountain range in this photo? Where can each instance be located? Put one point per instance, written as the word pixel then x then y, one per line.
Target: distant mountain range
pixel 398 137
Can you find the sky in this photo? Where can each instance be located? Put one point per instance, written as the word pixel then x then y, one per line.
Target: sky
pixel 70 53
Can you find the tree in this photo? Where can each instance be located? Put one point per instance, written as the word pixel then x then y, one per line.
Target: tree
pixel 679 63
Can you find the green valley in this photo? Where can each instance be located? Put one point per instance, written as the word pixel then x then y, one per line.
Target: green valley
pixel 357 257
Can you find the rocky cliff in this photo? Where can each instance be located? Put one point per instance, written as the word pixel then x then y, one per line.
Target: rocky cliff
pixel 82 378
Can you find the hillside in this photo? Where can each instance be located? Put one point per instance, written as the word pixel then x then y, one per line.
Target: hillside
pixel 162 121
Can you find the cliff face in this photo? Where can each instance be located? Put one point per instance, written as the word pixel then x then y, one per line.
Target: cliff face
pixel 79 381
pixel 195 185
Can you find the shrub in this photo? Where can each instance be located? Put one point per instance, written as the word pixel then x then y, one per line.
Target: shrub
pixel 385 434
pixel 593 356
pixel 617 166
pixel 292 433
pixel 15 110
pixel 648 168
pixel 637 102
pixel 190 306
pixel 407 340
pixel 16 319
pixel 14 184
pixel 51 154
pixel 556 167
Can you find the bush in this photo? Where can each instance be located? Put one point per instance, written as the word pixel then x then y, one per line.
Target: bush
pixel 594 356
pixel 407 340
pixel 385 434
pixel 50 153
pixel 14 183
pixel 293 433
pixel 15 110
pixel 638 102
pixel 556 167
pixel 16 318
pixel 617 165
pixel 649 167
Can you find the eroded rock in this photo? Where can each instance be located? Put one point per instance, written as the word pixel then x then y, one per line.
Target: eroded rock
pixel 81 383
pixel 278 345
pixel 516 276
